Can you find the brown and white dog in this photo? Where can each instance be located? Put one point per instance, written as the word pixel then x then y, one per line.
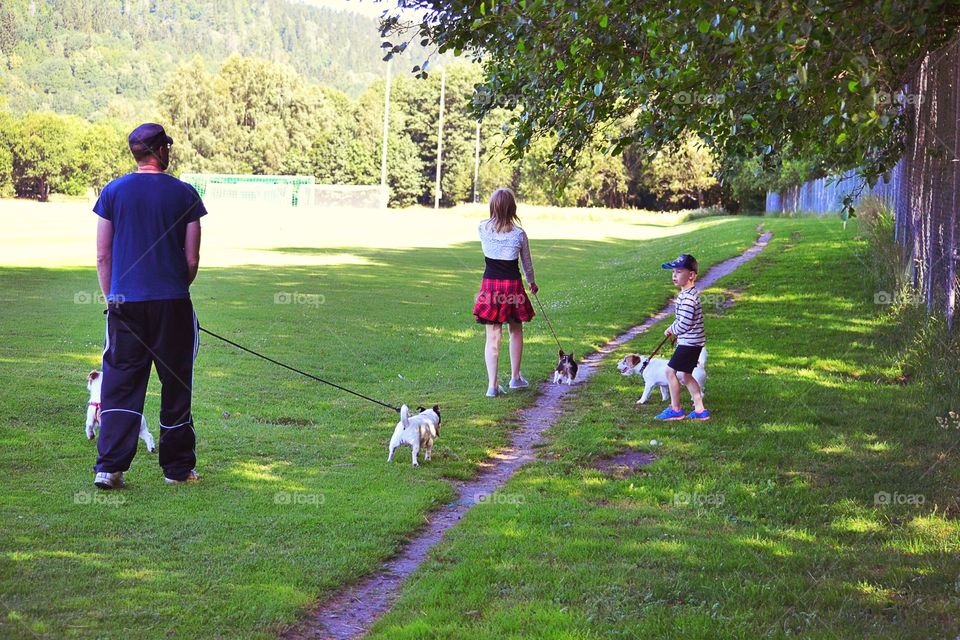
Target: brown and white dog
pixel 566 369
pixel 418 431
pixel 94 381
pixel 655 373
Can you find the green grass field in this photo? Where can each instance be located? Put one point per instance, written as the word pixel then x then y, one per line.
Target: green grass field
pixel 820 503
pixel 297 498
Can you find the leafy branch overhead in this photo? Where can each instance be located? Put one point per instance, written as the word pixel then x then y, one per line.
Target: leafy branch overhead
pixel 824 79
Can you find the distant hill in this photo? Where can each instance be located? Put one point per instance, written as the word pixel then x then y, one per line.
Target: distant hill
pixel 97 58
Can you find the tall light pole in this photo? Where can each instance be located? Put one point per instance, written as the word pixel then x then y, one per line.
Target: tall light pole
pixel 384 191
pixel 476 165
pixel 443 89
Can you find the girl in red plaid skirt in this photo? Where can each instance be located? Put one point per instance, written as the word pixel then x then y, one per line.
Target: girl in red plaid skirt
pixel 502 297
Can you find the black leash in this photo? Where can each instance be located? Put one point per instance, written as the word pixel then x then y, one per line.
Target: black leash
pixel 549 324
pixel 655 351
pixel 303 373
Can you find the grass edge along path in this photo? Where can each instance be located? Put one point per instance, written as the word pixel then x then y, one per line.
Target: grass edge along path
pixel 350 613
pixel 812 505
pixel 297 499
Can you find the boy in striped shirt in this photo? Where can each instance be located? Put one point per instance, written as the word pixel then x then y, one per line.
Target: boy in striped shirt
pixel 690 338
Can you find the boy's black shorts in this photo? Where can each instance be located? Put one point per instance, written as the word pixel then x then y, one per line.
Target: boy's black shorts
pixel 685 358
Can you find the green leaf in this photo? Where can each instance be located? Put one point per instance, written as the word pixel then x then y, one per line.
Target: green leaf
pixel 703 26
pixel 853 85
pixel 604 21
pixel 560 65
pixel 841 137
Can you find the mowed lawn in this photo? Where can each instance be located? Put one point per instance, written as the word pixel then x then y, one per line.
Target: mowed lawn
pixel 819 503
pixel 297 498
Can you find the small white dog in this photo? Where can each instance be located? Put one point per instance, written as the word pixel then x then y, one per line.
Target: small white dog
pixel 655 375
pixel 418 431
pixel 94 380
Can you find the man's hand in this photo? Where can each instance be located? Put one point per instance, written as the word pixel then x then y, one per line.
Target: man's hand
pixel 534 288
pixel 668 333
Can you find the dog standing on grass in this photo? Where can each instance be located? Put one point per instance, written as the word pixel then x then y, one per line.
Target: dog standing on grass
pixel 655 373
pixel 418 431
pixel 94 381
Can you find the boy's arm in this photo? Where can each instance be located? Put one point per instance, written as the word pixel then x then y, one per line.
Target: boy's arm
pixel 683 323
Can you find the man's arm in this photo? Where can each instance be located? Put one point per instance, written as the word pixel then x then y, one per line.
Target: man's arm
pixel 104 254
pixel 191 249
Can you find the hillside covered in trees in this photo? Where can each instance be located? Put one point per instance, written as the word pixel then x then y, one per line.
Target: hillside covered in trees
pixel 96 58
pixel 275 87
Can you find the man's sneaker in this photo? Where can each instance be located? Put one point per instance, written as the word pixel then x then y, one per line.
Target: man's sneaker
pixel 703 415
pixel 493 393
pixel 670 414
pixel 193 476
pixel 106 480
pixel 519 383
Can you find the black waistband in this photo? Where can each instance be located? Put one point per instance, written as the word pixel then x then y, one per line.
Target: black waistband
pixel 502 269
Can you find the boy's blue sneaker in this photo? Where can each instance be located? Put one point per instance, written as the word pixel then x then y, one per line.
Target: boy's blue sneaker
pixel 703 415
pixel 670 414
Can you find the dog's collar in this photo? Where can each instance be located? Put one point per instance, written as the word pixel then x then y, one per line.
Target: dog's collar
pixel 94 404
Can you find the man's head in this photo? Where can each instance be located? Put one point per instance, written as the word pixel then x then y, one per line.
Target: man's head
pixel 685 269
pixel 150 146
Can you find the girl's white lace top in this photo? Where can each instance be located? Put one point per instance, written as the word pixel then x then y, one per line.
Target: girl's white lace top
pixel 507 246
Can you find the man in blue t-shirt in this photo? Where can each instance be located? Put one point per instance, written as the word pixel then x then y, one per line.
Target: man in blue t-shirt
pixel 148 253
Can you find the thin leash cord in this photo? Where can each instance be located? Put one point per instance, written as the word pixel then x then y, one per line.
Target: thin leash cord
pixel 295 370
pixel 655 352
pixel 549 324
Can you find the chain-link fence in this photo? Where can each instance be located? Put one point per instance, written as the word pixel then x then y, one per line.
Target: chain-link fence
pixel 922 189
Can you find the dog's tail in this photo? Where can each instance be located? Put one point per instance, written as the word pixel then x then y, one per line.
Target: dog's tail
pixel 405 416
pixel 702 360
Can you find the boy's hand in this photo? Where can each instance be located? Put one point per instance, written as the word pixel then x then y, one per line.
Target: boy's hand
pixel 667 333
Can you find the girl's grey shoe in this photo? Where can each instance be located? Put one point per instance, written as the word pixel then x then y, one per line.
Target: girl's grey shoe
pixel 493 393
pixel 519 383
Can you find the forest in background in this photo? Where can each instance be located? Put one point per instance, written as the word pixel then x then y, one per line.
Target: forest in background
pixel 282 88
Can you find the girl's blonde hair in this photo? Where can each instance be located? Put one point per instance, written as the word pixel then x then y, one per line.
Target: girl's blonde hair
pixel 503 210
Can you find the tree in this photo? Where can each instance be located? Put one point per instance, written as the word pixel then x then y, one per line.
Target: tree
pixel 45 155
pixel 748 78
pixel 682 173
pixel 104 154
pixel 7 137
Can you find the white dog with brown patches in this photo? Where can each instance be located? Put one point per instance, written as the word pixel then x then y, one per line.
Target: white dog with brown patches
pixel 419 431
pixel 655 374
pixel 94 381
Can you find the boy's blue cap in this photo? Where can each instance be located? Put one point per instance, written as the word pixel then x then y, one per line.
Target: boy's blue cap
pixel 685 261
pixel 148 137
